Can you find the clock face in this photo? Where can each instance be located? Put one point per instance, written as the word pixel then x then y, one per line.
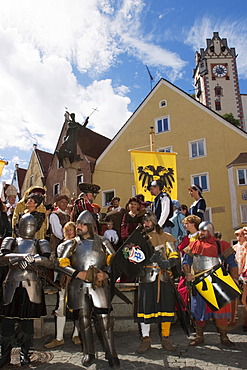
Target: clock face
pixel 219 70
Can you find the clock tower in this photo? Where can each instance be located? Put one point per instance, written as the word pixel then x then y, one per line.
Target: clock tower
pixel 216 78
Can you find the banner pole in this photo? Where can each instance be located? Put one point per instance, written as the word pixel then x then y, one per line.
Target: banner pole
pixel 152 139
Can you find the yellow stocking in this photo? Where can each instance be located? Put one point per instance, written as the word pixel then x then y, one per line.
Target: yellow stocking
pixel 165 329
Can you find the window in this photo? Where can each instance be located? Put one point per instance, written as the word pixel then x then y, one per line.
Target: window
pixel 58 164
pixel 162 124
pixel 217 104
pixel 133 190
pixel 31 181
pixel 131 165
pixel 203 69
pixel 107 197
pixel 56 189
pixel 166 149
pixel 243 213
pixel 198 88
pixel 197 148
pixel 208 215
pixel 163 103
pixel 79 179
pixel 201 179
pixel 242 176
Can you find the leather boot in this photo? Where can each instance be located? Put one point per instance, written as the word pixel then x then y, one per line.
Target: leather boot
pixel 24 358
pixel 6 348
pixel 198 338
pixel 224 338
pixel 27 340
pixel 167 344
pixel 145 345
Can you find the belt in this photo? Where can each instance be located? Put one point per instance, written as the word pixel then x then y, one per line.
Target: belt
pixel 159 276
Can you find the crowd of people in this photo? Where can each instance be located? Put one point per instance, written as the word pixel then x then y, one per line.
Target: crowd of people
pixel 72 245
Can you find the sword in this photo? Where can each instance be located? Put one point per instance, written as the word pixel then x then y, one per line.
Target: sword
pixel 122 296
pixel 42 275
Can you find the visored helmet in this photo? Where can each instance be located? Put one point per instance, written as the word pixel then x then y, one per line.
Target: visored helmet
pixel 206 225
pixel 85 218
pixel 27 226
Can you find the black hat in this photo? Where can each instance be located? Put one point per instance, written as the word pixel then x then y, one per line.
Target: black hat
pixel 158 183
pixel 89 188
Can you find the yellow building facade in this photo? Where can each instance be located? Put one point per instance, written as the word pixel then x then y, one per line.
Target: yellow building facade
pixel 237 175
pixel 205 144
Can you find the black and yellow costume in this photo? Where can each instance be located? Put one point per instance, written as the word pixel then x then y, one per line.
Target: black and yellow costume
pixel 156 301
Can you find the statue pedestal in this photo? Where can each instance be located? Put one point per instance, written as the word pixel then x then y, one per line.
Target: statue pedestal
pixel 71 175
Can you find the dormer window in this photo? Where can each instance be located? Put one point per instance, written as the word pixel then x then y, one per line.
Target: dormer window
pixel 162 103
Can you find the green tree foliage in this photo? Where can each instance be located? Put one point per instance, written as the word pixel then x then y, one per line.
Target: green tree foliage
pixel 230 118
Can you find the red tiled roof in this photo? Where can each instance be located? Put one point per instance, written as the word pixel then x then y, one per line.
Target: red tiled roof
pixel 91 143
pixel 21 172
pixel 45 159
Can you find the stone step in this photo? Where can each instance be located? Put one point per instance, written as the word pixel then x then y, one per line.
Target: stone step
pixel 123 315
pixel 120 308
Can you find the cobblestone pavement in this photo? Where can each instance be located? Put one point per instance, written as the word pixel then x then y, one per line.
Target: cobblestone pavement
pixel 212 355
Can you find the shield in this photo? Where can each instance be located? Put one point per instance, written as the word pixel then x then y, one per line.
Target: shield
pixel 217 287
pixel 133 254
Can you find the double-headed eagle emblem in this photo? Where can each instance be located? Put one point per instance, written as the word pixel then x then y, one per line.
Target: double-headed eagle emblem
pixel 149 173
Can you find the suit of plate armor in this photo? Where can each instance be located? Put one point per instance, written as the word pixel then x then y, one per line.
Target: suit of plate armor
pixel 203 255
pixel 22 295
pixel 86 295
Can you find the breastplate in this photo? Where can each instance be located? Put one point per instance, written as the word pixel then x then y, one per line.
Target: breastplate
pixel 25 246
pixel 204 262
pixel 84 256
pixel 30 280
pixel 149 273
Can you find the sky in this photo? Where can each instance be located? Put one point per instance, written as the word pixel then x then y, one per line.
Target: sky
pixel 90 56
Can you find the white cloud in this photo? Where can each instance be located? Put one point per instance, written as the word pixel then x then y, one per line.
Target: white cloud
pixel 89 33
pixel 154 55
pixel 41 42
pixel 102 96
pixel 234 31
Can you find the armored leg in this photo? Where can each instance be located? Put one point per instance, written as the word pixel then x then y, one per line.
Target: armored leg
pixel 106 324
pixel 87 335
pixel 98 330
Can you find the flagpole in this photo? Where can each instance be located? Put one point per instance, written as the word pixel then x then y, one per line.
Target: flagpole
pixel 151 78
pixel 151 135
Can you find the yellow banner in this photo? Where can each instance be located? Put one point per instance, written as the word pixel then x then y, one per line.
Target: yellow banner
pixel 2 164
pixel 150 166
